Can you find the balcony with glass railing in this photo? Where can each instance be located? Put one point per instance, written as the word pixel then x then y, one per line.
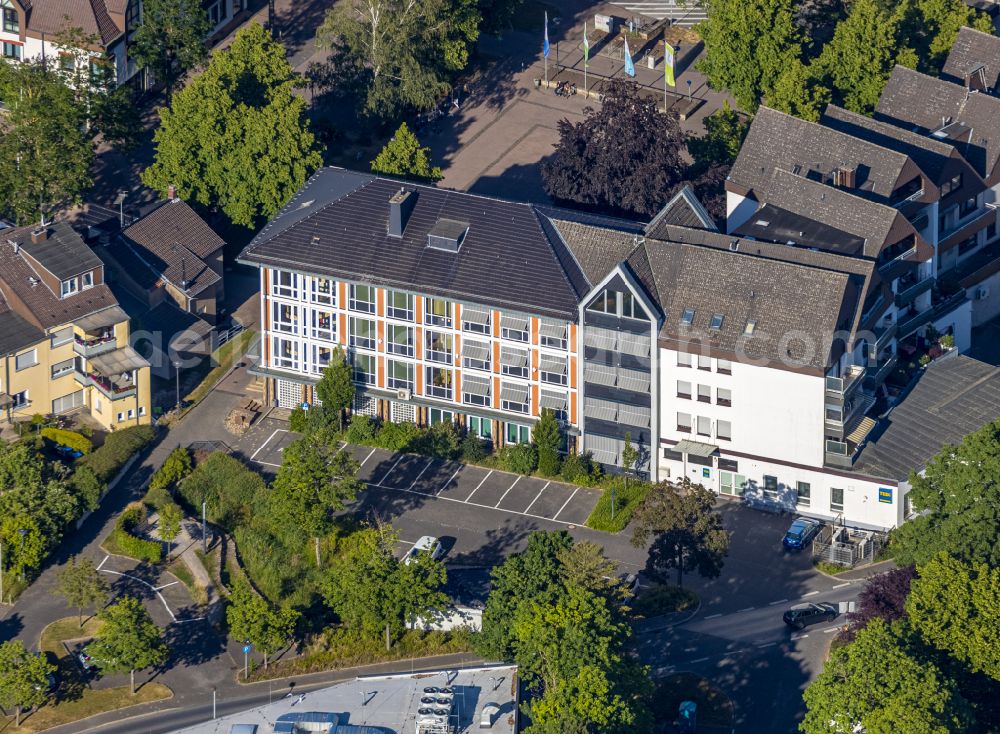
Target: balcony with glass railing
pixel 91 346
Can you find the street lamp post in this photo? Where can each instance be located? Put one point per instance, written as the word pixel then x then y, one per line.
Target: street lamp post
pixel 204 534
pixel 23 532
pixel 177 377
pixel 213 704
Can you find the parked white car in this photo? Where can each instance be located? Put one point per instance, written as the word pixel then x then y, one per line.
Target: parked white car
pixel 426 544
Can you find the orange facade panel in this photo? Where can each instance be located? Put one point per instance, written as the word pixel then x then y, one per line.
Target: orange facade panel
pixel 496 392
pixel 534 400
pixel 572 372
pixel 418 337
pixel 381 371
pixel 496 357
pixel 534 330
pixel 572 338
pixel 380 302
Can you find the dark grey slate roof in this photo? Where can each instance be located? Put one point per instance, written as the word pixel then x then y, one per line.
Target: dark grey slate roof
pixel 919 102
pixel 63 253
pixel 596 249
pixel 832 207
pixel 174 222
pixel 15 332
pixel 506 258
pixel 776 140
pixel 953 398
pixel 745 288
pixel 973 49
pixel 683 209
pixel 929 154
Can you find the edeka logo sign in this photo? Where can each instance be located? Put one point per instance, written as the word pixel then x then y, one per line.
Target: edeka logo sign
pixel 885 495
pixel 706 472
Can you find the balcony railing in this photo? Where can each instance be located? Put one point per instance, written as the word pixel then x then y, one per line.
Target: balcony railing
pixel 914 322
pixel 444 356
pixel 963 222
pixel 92 347
pixel 838 454
pixel 439 391
pixel 883 334
pixel 103 384
pixel 910 290
pixel 841 387
pixel 876 375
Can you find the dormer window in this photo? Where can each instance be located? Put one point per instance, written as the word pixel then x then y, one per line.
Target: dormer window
pixel 716 321
pixel 10 22
pixel 687 316
pixel 69 287
pixel 86 281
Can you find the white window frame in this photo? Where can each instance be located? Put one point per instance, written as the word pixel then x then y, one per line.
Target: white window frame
pixel 18 367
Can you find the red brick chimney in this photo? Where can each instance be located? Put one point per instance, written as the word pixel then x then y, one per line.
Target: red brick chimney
pixel 171 192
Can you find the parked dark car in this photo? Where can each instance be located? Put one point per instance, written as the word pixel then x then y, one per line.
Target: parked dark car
pixel 801 531
pixel 68 453
pixel 802 615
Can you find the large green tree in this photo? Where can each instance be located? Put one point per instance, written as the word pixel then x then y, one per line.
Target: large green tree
pixel 748 43
pixel 802 90
pixel 236 138
pixel 129 639
pixel 315 480
pixel 686 531
pixel 956 608
pixel 23 678
pixel 374 593
pixel 623 158
pixel 251 617
pixel 81 585
pixel 930 28
pixel 45 151
pixel 335 388
pixel 171 39
pixel 556 611
pixel 407 50
pixel 725 130
pixel 877 683
pixel 957 499
pixel 403 156
pixel 865 47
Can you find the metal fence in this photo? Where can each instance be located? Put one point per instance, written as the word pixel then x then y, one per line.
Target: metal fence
pixel 847 546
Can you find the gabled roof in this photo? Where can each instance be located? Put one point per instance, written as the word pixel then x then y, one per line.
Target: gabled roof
pixel 337 225
pixel 683 209
pixel 835 208
pixel 930 154
pixel 174 223
pixel 63 253
pixel 954 397
pixel 49 17
pixel 15 332
pixel 946 111
pixel 777 140
pixel 973 50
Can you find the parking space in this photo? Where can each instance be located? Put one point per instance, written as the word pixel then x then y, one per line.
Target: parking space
pixel 451 481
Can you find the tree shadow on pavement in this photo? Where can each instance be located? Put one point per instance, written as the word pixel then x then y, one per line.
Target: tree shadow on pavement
pixel 10 627
pixel 192 643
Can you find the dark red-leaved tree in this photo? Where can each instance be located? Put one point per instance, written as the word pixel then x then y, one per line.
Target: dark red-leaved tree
pixel 623 158
pixel 883 596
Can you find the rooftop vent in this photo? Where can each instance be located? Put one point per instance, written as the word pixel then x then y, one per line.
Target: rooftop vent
pixel 40 234
pixel 400 205
pixel 447 234
pixel 845 178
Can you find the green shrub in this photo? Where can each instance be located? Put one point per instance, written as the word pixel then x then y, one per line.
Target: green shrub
pixel 577 467
pixel 662 599
pixel 398 436
pixel 473 449
pixel 626 499
pixel 546 439
pixel 521 458
pixel 157 497
pixel 176 467
pixel 443 440
pixel 131 545
pixel 233 492
pixel 118 448
pixel 947 341
pixel 71 439
pixel 87 486
pixel 298 421
pixel 361 430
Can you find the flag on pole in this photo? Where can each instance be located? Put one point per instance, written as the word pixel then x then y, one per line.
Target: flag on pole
pixel 586 47
pixel 668 63
pixel 545 43
pixel 629 66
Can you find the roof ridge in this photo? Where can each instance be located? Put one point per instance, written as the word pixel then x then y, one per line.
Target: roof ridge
pixel 537 219
pixel 929 142
pixel 835 190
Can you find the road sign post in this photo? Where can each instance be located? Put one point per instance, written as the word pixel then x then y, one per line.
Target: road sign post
pixel 246 659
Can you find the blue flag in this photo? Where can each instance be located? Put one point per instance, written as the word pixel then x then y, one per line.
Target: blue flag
pixel 545 44
pixel 629 66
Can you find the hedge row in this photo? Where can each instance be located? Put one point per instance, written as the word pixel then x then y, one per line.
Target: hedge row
pixel 72 439
pixel 131 545
pixel 118 448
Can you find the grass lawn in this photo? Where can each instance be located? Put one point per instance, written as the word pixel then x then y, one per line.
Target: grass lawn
pixel 626 499
pixel 75 700
pixel 715 710
pixel 663 599
pixel 833 569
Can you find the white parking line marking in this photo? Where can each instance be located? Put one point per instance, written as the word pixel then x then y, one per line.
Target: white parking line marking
pixel 537 496
pixel 767 644
pixel 811 593
pixel 417 479
pixel 776 603
pixel 828 630
pixel 508 490
pixel 566 503
pixel 261 447
pixel 372 485
pixel 799 637
pixel 748 609
pixel 103 562
pixel 370 454
pixel 166 585
pixel 390 470
pixel 146 583
pixel 698 660
pixel 841 586
pixel 450 480
pixel 714 616
pixel 478 486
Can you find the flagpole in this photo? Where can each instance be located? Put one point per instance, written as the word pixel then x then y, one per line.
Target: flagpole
pixel 545 50
pixel 586 59
pixel 664 72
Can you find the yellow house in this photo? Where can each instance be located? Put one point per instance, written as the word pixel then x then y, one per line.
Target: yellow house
pixel 64 340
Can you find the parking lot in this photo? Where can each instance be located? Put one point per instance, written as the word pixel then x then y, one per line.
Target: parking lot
pixel 451 481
